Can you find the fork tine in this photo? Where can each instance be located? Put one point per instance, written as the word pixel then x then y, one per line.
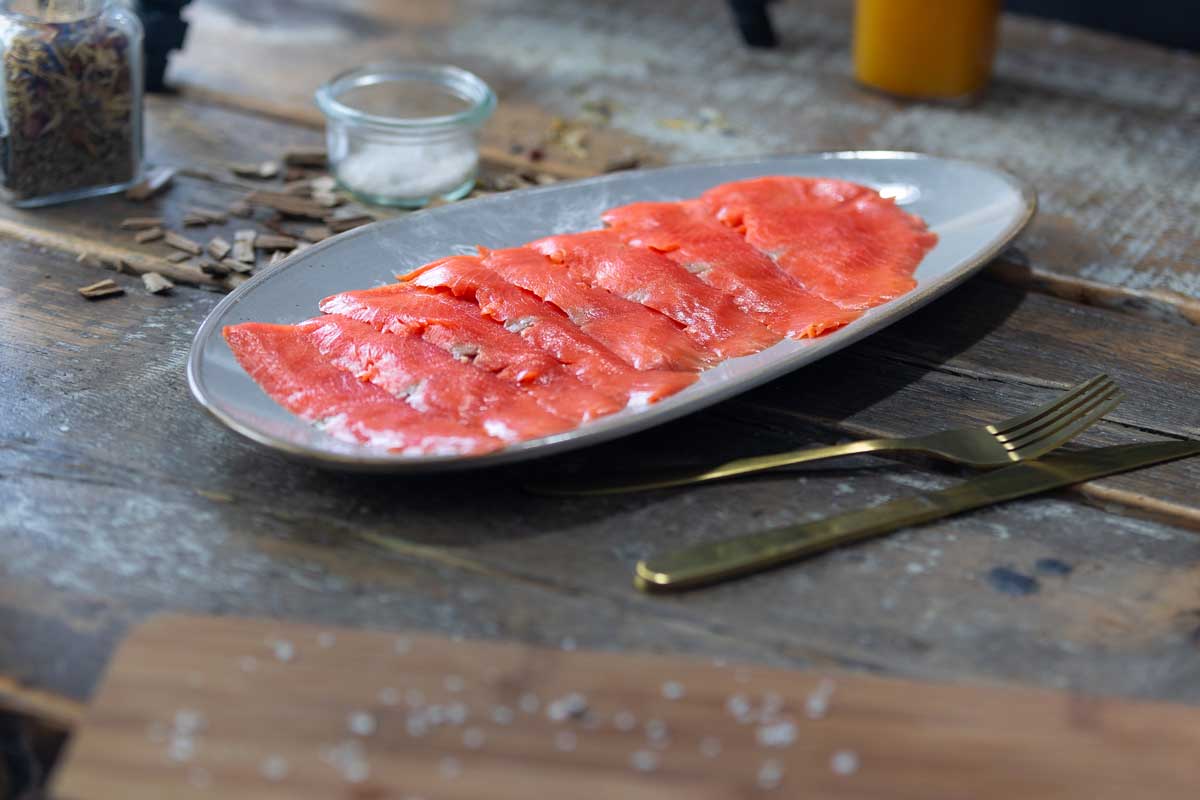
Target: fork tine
pixel 1069 430
pixel 1065 411
pixel 1006 426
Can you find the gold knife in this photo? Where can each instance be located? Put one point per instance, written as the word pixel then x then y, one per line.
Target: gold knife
pixel 717 561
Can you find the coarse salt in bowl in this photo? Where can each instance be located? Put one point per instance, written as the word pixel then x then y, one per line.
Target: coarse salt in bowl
pixel 403 134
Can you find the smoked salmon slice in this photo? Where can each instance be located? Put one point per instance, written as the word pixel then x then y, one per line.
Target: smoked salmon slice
pixel 458 327
pixel 718 255
pixel 839 240
pixel 287 364
pixel 431 380
pixel 641 336
pixel 710 317
pixel 548 328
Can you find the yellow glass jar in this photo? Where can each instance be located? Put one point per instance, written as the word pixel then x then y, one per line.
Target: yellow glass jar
pixel 926 49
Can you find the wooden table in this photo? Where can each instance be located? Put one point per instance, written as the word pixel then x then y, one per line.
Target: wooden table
pixel 120 499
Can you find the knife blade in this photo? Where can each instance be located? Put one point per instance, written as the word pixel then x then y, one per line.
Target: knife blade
pixel 716 561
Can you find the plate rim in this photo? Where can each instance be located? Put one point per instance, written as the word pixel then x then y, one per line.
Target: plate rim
pixel 392 463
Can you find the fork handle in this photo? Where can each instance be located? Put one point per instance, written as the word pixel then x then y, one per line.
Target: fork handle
pixel 683 476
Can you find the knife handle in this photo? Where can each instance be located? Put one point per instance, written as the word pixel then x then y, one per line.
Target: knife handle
pixel 716 561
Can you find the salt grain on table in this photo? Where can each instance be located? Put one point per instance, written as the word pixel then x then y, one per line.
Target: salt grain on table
pixel 361 723
pixel 844 762
pixel 502 715
pixel 389 696
pixel 770 774
pixel 402 646
pixel 567 706
pixel 644 760
pixel 456 713
pixel 777 734
pixel 284 650
pixel 326 639
pixel 273 768
pixel 672 690
pixel 473 738
pixel 816 705
pixel 529 703
pixel 624 721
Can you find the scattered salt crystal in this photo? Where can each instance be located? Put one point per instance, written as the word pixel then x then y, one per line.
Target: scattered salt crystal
pixel 273 768
pixel 672 690
pixel 502 715
pixel 772 704
pixel 624 721
pixel 569 705
pixel 454 683
pixel 180 749
pixel 529 703
pixel 914 568
pixel 816 705
pixel 389 696
pixel 356 772
pixel 710 747
pixel 568 643
pixel 416 726
pixel 326 639
pixel 284 650
pixel 361 723
pixel 414 698
pixel 656 730
pixel 739 706
pixel 188 721
pixel 350 759
pixel 435 715
pixel 644 760
pixel 719 663
pixel 456 713
pixel 473 738
pixel 844 762
pixel 450 767
pixel 402 646
pixel 565 741
pixel 248 663
pixel 777 734
pixel 770 774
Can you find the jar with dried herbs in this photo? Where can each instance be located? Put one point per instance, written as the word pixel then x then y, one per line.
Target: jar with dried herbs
pixel 70 99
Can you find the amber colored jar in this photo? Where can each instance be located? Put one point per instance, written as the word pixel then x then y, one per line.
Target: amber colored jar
pixel 926 49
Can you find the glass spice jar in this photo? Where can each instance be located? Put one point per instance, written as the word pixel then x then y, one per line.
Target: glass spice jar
pixel 70 99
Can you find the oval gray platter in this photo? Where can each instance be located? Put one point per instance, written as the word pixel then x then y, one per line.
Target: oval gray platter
pixel 974 210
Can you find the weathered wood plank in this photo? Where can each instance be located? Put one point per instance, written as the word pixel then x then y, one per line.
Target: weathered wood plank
pixel 120 499
pixel 1103 127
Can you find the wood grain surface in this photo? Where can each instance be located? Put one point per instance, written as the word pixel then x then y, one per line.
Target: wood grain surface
pixel 257 709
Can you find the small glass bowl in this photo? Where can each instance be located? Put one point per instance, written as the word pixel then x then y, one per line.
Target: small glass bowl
pixel 405 134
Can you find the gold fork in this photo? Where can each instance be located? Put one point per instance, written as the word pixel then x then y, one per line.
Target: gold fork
pixel 1020 438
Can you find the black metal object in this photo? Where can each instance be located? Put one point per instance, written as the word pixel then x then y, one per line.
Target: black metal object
pixel 754 22
pixel 165 31
pixel 1174 23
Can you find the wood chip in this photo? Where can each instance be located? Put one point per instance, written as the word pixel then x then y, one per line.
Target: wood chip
pixel 276 257
pixel 326 199
pixel 115 264
pixel 316 233
pixel 156 284
pixel 155 181
pixel 240 208
pixel 214 269
pixel 347 223
pixel 264 170
pixel 101 289
pixel 140 223
pixel 176 258
pixel 287 204
pixel 243 245
pixel 88 260
pixel 238 266
pixel 305 156
pixel 211 214
pixel 148 235
pixel 300 188
pixel 292 174
pixel 274 241
pixel 183 243
pixel 194 220
pixel 218 248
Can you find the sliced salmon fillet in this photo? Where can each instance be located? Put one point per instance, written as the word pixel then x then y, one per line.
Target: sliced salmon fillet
pixel 546 327
pixel 287 364
pixel 431 380
pixel 641 336
pixel 460 328
pixel 709 316
pixel 837 239
pixel 718 255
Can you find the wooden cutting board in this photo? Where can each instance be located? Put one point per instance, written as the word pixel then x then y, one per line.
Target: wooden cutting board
pixel 199 707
